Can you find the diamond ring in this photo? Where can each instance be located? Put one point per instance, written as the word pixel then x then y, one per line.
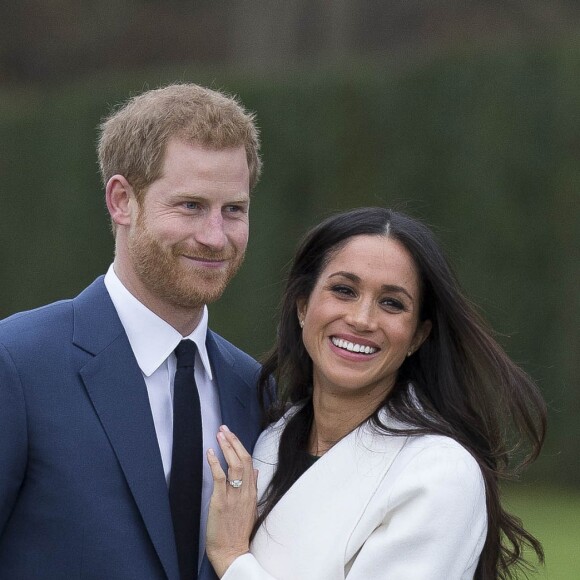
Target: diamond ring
pixel 235 482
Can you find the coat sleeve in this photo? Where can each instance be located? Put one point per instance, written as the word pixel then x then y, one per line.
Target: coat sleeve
pixel 246 567
pixel 13 436
pixel 434 520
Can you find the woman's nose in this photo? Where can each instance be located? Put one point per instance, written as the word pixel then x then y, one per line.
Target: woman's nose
pixel 361 316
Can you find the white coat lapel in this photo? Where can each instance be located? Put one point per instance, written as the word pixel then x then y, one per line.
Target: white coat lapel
pixel 312 523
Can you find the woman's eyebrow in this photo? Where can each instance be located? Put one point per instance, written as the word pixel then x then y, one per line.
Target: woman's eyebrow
pixel 348 275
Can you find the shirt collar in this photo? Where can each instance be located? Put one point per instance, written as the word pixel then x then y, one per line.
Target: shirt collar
pixel 151 338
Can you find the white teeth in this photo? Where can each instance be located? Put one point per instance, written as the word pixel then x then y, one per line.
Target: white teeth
pixel 352 347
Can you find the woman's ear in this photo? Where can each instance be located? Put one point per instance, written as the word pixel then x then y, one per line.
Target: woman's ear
pixel 421 334
pixel 301 307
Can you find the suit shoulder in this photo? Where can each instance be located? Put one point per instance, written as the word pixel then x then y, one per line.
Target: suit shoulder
pixel 39 313
pixel 37 323
pixel 239 355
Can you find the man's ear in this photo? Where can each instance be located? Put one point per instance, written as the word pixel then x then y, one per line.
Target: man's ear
pixel 121 200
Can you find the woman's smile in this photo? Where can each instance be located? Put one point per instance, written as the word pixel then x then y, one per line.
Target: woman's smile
pixel 354 345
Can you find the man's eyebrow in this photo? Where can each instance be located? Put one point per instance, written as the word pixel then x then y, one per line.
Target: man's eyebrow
pixel 239 200
pixel 384 287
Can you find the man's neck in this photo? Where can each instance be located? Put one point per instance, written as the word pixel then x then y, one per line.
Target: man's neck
pixel 184 320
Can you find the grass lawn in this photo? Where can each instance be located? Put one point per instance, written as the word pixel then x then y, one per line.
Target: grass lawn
pixel 553 516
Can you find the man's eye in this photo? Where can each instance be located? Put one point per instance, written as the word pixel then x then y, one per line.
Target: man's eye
pixel 191 205
pixel 234 208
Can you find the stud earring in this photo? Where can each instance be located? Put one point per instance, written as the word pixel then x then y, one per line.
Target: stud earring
pixel 410 352
pixel 301 322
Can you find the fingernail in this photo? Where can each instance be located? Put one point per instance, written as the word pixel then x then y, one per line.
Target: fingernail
pixel 210 451
pixel 225 428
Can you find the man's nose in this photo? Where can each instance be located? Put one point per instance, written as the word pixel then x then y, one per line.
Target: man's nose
pixel 211 232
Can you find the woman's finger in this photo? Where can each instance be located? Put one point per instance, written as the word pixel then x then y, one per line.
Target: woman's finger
pixel 240 468
pixel 219 477
pixel 235 443
pixel 235 465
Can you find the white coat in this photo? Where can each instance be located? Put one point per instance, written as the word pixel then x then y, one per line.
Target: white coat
pixel 375 506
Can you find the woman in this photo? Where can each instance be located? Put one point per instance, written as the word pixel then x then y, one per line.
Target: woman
pixel 396 411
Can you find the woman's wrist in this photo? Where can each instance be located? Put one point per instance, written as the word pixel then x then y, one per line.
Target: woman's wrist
pixel 222 560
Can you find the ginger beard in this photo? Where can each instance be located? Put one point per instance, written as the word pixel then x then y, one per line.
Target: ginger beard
pixel 167 274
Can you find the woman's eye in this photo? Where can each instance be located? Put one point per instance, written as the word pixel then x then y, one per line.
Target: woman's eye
pixel 343 290
pixel 393 304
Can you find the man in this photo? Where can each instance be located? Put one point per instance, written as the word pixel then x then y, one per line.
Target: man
pixel 88 430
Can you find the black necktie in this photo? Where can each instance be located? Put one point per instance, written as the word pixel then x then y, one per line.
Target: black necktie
pixel 187 462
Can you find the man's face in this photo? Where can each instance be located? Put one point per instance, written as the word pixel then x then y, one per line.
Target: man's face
pixel 191 230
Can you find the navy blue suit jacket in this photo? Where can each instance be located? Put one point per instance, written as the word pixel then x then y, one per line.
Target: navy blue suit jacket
pixel 82 488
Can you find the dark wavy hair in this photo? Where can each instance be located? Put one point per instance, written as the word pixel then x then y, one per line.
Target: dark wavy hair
pixel 469 389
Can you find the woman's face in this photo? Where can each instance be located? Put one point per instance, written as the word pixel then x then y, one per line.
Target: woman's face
pixel 362 318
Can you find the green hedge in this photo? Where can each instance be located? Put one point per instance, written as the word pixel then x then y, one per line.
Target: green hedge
pixel 482 144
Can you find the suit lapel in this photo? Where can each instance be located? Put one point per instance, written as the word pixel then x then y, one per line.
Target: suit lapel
pixel 235 393
pixel 117 390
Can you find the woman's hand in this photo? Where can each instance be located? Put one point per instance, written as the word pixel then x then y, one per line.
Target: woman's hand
pixel 232 509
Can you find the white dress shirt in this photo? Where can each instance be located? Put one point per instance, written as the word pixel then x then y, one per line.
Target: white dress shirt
pixel 153 341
